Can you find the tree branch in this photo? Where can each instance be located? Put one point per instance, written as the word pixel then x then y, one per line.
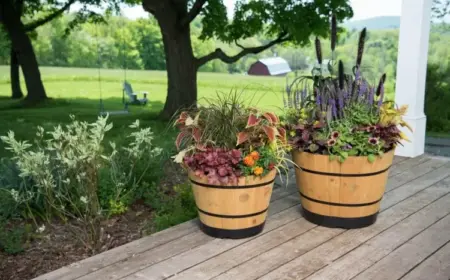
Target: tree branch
pixel 35 24
pixel 219 54
pixel 193 12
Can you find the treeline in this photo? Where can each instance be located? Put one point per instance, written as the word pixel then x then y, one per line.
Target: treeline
pixel 137 44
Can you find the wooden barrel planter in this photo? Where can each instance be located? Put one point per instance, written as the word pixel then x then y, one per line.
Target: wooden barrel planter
pixel 233 210
pixel 343 195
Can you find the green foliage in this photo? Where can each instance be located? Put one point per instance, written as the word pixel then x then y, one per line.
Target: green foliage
pixel 171 208
pixel 12 241
pixel 272 18
pixel 60 174
pixel 437 98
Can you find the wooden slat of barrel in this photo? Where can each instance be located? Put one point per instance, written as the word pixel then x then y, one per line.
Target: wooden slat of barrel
pixel 233 210
pixel 352 189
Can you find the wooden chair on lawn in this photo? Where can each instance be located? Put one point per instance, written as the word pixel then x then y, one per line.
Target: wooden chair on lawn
pixel 133 96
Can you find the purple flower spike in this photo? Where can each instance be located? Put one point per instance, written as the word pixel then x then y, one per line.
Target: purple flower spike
pixel 362 89
pixel 380 101
pixel 341 102
pixel 333 108
pixel 318 101
pixel 357 74
pixel 371 95
pixel 304 94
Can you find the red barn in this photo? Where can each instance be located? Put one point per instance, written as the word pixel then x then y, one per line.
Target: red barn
pixel 272 66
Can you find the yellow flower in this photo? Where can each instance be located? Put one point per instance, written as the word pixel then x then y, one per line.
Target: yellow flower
pixel 292 133
pixel 258 170
pixel 404 137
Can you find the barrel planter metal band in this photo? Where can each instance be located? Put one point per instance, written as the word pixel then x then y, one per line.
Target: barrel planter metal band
pixel 343 195
pixel 233 210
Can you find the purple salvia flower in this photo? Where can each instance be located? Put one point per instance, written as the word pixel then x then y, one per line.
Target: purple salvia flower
pixel 341 102
pixel 371 95
pixel 318 101
pixel 333 108
pixel 380 101
pixel 362 89
pixel 357 74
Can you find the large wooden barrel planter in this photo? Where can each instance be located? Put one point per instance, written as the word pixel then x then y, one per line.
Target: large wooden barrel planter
pixel 233 210
pixel 343 195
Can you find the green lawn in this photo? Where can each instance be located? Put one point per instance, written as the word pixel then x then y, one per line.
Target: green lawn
pixel 72 83
pixel 77 91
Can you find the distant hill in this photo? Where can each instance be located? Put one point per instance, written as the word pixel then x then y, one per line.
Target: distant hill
pixel 375 23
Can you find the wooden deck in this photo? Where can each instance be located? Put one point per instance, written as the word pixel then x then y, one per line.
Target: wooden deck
pixel 410 240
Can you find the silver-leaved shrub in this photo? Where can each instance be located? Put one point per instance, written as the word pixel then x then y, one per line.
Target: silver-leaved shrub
pixel 60 173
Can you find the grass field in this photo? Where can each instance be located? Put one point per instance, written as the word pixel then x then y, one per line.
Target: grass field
pixel 77 91
pixel 76 83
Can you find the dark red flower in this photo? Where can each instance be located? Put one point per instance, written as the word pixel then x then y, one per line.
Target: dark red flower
pixel 271 166
pixel 334 134
pixel 331 142
pixel 373 141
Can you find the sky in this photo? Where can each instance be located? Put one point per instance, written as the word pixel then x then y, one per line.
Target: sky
pixel 362 9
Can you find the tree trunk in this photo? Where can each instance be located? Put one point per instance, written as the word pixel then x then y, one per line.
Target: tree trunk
pixel 181 71
pixel 21 45
pixel 15 77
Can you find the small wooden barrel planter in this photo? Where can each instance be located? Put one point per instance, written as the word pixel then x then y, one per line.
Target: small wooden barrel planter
pixel 342 195
pixel 233 211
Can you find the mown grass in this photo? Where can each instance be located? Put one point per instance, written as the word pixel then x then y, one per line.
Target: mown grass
pixel 77 91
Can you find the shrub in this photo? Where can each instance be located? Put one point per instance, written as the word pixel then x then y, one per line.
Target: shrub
pixel 437 99
pixel 60 174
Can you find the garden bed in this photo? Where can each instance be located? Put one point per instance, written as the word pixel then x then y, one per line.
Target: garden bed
pixel 55 247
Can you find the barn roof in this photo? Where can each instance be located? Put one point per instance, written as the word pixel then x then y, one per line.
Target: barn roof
pixel 276 65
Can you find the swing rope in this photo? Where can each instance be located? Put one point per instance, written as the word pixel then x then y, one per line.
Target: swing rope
pixel 98 68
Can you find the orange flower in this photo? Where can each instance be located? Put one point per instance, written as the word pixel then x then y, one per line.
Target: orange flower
pixel 249 161
pixel 258 170
pixel 254 155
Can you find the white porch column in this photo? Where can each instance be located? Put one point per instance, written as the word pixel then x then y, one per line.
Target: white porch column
pixel 411 71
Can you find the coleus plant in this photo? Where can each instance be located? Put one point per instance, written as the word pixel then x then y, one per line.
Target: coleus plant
pixel 259 143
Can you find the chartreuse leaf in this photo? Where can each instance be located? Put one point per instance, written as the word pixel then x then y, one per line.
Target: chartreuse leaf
pixel 371 158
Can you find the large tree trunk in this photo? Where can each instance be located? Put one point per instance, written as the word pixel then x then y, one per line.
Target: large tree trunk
pixel 21 45
pixel 15 77
pixel 181 71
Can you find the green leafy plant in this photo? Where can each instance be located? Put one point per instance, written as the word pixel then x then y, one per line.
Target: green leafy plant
pixel 60 174
pixel 342 114
pixel 223 140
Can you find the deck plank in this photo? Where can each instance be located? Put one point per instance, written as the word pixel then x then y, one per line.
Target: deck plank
pixel 185 250
pixel 366 255
pixel 328 252
pixel 247 248
pixel 186 243
pixel 407 164
pixel 436 267
pixel 264 263
pixel 212 268
pixel 126 251
pixel 413 173
pixel 396 264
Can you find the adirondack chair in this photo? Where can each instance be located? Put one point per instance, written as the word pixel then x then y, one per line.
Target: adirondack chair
pixel 133 96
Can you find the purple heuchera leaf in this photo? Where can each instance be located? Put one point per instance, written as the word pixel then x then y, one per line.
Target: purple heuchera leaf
pixel 218 165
